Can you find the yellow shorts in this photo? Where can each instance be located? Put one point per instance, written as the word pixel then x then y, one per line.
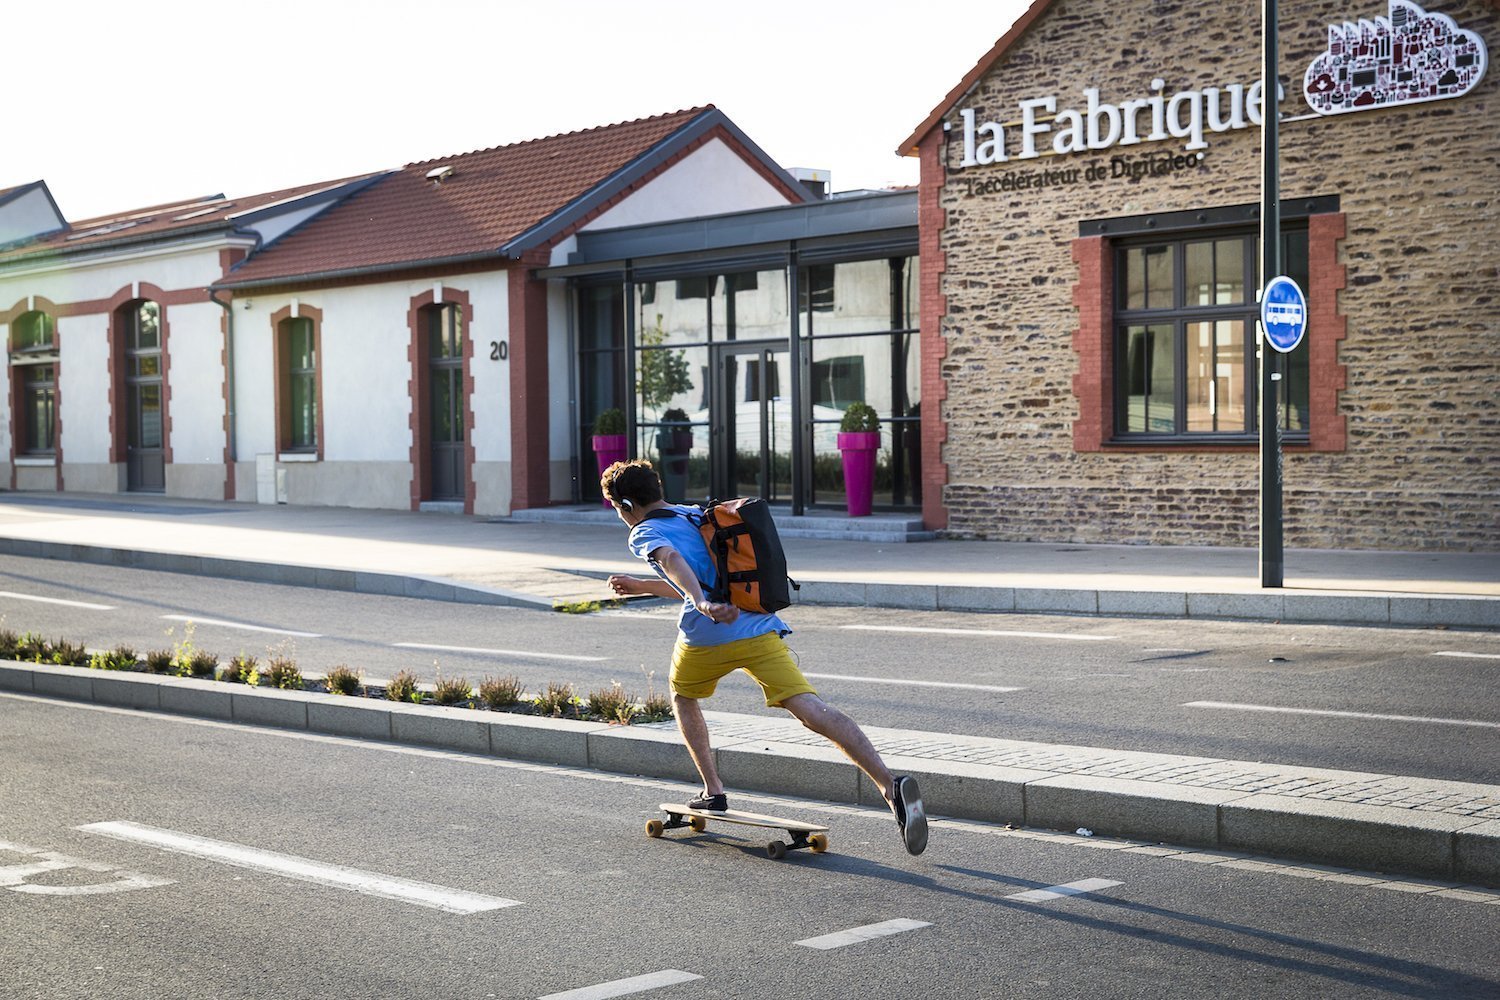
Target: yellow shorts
pixel 696 669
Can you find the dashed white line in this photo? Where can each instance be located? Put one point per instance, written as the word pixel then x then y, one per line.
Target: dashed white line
pixel 241 625
pixel 908 683
pixel 1060 891
pixel 978 631
pixel 1469 656
pixel 1230 706
pixel 426 894
pixel 56 600
pixel 500 652
pixel 855 935
pixel 625 987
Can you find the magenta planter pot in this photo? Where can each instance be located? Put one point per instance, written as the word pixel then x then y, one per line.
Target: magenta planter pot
pixel 859 449
pixel 609 449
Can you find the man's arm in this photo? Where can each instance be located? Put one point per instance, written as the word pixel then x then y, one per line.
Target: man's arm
pixel 625 586
pixel 677 570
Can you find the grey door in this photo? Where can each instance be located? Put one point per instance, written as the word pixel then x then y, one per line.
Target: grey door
pixel 145 454
pixel 753 423
pixel 445 395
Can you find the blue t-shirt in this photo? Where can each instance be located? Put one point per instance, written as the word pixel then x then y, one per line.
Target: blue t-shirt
pixel 695 628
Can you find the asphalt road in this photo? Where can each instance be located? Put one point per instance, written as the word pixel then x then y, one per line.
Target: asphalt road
pixel 1406 701
pixel 597 902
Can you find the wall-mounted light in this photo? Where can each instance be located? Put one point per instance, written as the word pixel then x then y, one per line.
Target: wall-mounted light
pixel 248 304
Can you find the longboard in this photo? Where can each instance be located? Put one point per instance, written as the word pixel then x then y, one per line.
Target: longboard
pixel 809 835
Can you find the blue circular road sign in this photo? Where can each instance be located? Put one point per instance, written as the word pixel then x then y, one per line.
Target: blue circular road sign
pixel 1283 314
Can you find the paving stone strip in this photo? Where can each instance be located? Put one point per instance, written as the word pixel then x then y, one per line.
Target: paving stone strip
pixel 1436 796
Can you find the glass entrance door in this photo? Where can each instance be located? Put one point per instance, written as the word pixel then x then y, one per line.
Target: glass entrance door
pixel 445 385
pixel 754 423
pixel 145 457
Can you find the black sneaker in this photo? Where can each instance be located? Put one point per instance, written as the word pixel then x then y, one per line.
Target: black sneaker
pixel 910 816
pixel 712 803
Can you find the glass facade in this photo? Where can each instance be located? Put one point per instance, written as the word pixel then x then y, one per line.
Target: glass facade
pixel 723 401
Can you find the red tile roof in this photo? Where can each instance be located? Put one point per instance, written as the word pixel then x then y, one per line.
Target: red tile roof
pixel 174 218
pixel 491 197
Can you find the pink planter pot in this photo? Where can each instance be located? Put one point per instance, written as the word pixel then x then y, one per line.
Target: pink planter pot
pixel 609 449
pixel 859 450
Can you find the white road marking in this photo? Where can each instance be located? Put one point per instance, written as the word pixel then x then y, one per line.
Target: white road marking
pixel 500 652
pixel 1060 891
pixel 1470 656
pixel 1230 706
pixel 625 987
pixel 16 878
pixel 908 683
pixel 241 625
pixel 978 631
pixel 426 894
pixel 855 935
pixel 56 600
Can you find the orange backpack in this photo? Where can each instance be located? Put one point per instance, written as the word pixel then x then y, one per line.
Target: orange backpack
pixel 746 550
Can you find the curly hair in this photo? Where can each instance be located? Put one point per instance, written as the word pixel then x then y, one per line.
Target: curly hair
pixel 635 481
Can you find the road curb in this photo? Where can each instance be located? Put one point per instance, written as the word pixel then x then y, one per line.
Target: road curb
pixel 1323 607
pixel 1384 838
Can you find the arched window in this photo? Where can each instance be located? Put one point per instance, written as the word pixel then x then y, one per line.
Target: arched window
pixel 33 361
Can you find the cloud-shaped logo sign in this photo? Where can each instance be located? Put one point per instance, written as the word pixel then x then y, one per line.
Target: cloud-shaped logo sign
pixel 1406 58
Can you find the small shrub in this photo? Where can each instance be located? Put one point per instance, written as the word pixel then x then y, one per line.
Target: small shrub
pixel 576 607
pixel 66 654
pixel 124 658
pixel 202 664
pixel 859 417
pixel 657 707
pixel 612 704
pixel 611 421
pixel 403 687
pixel 342 680
pixel 500 692
pixel 284 673
pixel 556 701
pixel 31 648
pixel 9 641
pixel 452 691
pixel 159 661
pixel 241 669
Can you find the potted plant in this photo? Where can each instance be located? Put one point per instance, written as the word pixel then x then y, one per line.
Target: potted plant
pixel 610 443
pixel 859 441
pixel 674 441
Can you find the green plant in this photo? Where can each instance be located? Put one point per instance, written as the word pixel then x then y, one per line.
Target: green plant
pixel 576 607
pixel 31 648
pixel 859 417
pixel 119 658
pixel 182 652
pixel 611 421
pixel 159 661
pixel 556 700
pixel 403 687
pixel 674 416
pixel 500 692
pixel 342 680
pixel 284 673
pixel 612 703
pixel 242 669
pixel 8 643
pixel 657 707
pixel 452 690
pixel 202 664
pixel 64 653
pixel 660 374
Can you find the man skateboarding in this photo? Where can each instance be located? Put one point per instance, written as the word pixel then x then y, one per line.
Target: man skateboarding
pixel 716 639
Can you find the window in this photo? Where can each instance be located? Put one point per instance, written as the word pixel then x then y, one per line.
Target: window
pixel 33 357
pixel 815 289
pixel 299 381
pixel 1185 344
pixel 837 382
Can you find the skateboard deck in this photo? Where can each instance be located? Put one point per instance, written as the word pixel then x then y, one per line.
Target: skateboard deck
pixel 810 835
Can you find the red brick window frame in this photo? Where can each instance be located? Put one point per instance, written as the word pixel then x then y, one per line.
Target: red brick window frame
pixel 1094 342
pixel 283 324
pixel 35 367
pixel 419 313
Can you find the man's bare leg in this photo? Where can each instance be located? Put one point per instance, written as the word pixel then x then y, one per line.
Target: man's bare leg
pixel 833 725
pixel 694 731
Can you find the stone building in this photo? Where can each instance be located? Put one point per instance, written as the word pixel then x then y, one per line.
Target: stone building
pixel 1089 210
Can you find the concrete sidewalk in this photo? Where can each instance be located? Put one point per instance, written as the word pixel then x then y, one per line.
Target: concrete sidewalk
pixel 540 562
pixel 1356 822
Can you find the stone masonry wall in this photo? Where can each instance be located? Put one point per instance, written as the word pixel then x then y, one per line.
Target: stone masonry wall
pixel 1420 195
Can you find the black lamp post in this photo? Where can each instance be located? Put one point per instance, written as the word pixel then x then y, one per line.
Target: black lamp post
pixel 1271 561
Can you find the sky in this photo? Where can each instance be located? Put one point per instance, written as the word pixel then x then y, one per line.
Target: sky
pixel 130 105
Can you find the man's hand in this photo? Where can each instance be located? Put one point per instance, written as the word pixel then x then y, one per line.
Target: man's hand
pixel 723 614
pixel 627 586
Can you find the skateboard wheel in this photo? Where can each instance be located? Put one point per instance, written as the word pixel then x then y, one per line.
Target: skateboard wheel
pixel 818 842
pixel 653 828
pixel 776 850
pixel 698 823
